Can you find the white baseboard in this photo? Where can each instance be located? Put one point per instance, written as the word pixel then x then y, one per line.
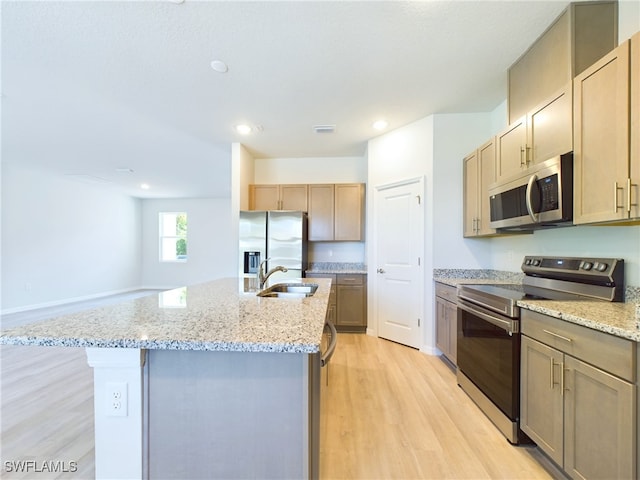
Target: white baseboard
pixel 430 350
pixel 65 301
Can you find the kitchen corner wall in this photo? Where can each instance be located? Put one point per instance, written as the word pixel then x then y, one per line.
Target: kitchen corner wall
pixel 433 148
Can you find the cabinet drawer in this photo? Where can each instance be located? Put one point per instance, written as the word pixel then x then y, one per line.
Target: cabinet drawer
pixel 344 279
pixel 332 276
pixel 610 353
pixel 447 292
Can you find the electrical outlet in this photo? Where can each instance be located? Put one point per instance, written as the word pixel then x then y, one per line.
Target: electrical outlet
pixel 117 399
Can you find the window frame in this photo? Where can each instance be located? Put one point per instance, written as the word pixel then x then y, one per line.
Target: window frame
pixel 161 237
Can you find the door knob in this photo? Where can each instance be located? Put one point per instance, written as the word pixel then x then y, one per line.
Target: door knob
pixel 380 270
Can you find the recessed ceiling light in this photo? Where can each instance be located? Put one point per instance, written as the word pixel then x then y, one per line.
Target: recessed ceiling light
pixel 145 186
pixel 380 124
pixel 219 66
pixel 243 129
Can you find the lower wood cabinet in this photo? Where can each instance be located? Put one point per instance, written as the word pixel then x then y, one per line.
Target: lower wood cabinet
pixel 347 307
pixel 447 321
pixel 578 398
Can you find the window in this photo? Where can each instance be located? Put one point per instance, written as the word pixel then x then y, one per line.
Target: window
pixel 173 237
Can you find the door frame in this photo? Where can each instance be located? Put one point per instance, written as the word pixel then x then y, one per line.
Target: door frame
pixel 373 283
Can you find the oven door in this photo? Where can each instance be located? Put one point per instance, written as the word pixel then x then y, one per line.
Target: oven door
pixel 489 355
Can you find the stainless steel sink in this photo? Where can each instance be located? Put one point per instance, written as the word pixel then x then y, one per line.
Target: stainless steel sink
pixel 289 290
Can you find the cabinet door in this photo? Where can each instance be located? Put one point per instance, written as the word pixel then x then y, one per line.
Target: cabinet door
pixel 601 139
pixel 550 127
pixel 599 431
pixel 511 149
pixel 452 319
pixel 635 126
pixel 351 306
pixel 442 326
pixel 293 197
pixel 349 212
pixel 264 197
pixel 487 176
pixel 321 212
pixel 470 192
pixel 541 397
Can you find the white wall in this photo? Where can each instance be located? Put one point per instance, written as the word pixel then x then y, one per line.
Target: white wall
pixel 433 148
pixel 211 242
pixel 401 154
pixel 628 19
pixel 311 170
pixel 318 170
pixel 63 240
pixel 455 136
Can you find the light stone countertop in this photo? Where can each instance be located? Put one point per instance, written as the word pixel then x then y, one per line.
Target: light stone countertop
pixel 215 316
pixel 454 282
pixel 336 268
pixel 615 318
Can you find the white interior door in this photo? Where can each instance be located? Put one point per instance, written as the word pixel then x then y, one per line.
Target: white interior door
pixel 400 246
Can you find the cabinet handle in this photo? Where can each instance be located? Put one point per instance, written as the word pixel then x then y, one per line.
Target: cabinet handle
pixel 566 339
pixel 615 197
pixel 527 157
pixel 477 225
pixel 562 379
pixel 380 270
pixel 551 383
pixel 629 204
pixel 522 160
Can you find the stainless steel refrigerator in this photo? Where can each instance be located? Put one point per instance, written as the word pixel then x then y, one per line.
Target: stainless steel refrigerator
pixel 278 236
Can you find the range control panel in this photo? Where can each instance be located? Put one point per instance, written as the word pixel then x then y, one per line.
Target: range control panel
pixel 600 270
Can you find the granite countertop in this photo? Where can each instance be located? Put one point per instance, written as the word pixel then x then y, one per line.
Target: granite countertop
pixel 616 318
pixel 217 316
pixel 454 282
pixel 336 268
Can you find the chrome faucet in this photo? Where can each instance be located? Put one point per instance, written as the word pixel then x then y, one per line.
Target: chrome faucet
pixel 262 277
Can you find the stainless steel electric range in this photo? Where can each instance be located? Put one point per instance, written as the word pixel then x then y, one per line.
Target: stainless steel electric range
pixel 489 327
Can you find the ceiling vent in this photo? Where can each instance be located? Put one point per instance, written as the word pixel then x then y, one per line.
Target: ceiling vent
pixel 84 178
pixel 324 128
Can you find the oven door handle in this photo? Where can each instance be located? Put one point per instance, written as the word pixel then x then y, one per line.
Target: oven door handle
pixel 510 326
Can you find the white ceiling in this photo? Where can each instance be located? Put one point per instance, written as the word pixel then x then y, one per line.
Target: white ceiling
pixel 88 87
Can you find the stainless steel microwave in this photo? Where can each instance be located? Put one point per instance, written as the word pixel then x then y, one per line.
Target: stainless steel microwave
pixel 541 197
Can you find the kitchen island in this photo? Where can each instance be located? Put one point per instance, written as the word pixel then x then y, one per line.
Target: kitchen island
pixel 205 381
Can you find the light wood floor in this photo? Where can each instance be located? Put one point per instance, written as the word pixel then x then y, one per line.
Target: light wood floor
pixel 389 412
pixel 392 412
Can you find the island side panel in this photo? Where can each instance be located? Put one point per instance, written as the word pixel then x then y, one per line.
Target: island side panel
pixel 230 415
pixel 118 431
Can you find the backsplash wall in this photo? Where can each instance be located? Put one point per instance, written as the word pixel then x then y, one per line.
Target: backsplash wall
pixel 612 242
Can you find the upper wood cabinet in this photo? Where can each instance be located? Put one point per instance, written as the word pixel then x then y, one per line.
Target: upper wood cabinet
pixel 606 144
pixel 278 197
pixel 582 34
pixel 336 212
pixel 349 212
pixel 479 173
pixel 544 132
pixel 321 212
